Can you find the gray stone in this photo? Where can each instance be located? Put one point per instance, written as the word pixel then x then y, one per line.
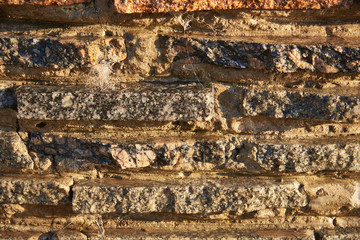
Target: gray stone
pixel 80 153
pixel 7 98
pixel 342 234
pixel 308 157
pixel 151 102
pixel 35 190
pixel 293 104
pixel 263 56
pixel 13 152
pixel 70 53
pixel 186 197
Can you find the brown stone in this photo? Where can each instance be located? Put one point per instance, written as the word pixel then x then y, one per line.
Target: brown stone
pixel 42 2
pixel 200 5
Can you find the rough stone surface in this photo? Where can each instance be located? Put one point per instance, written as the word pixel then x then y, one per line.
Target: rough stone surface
pixel 220 234
pixel 34 190
pixel 282 58
pixel 308 157
pixel 81 153
pixel 333 197
pixel 200 5
pixel 7 98
pixel 13 152
pixel 72 53
pixel 156 103
pixel 292 104
pixel 42 2
pixel 343 234
pixel 186 197
pixel 68 235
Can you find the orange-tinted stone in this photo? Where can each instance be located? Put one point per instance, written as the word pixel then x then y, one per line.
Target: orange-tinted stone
pixel 42 2
pixel 142 6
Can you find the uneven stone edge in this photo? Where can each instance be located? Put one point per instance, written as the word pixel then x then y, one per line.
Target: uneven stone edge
pixel 282 58
pixel 235 153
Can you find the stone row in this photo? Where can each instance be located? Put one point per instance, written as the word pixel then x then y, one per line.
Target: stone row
pixel 291 104
pixel 81 153
pixel 198 5
pixel 273 57
pixel 152 102
pixel 188 102
pixel 35 190
pixel 60 53
pixel 185 197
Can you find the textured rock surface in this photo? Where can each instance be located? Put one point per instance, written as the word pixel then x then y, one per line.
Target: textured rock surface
pixel 34 190
pixel 13 152
pixel 7 98
pixel 185 197
pixel 344 234
pixel 42 2
pixel 333 198
pixel 292 104
pixel 282 58
pixel 83 152
pixel 308 157
pixel 152 102
pixel 60 53
pixel 199 5
pixel 220 234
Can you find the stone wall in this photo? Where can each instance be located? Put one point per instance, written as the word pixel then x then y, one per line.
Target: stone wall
pixel 179 119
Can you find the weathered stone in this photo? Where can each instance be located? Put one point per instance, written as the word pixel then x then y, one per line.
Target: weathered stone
pixel 200 5
pixel 333 197
pixel 80 153
pixel 47 52
pixel 68 235
pixel 308 157
pixel 42 2
pixel 282 58
pixel 13 152
pixel 343 234
pixel 186 197
pixel 220 234
pixel 7 98
pixel 34 190
pixel 153 102
pixel 292 104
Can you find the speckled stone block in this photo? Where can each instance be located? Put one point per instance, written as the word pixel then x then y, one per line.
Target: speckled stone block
pixel 308 157
pixel 186 197
pixel 152 102
pixel 335 106
pixel 42 2
pixel 60 53
pixel 284 58
pixel 34 190
pixel 142 6
pixel 13 152
pixel 7 98
pixel 291 104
